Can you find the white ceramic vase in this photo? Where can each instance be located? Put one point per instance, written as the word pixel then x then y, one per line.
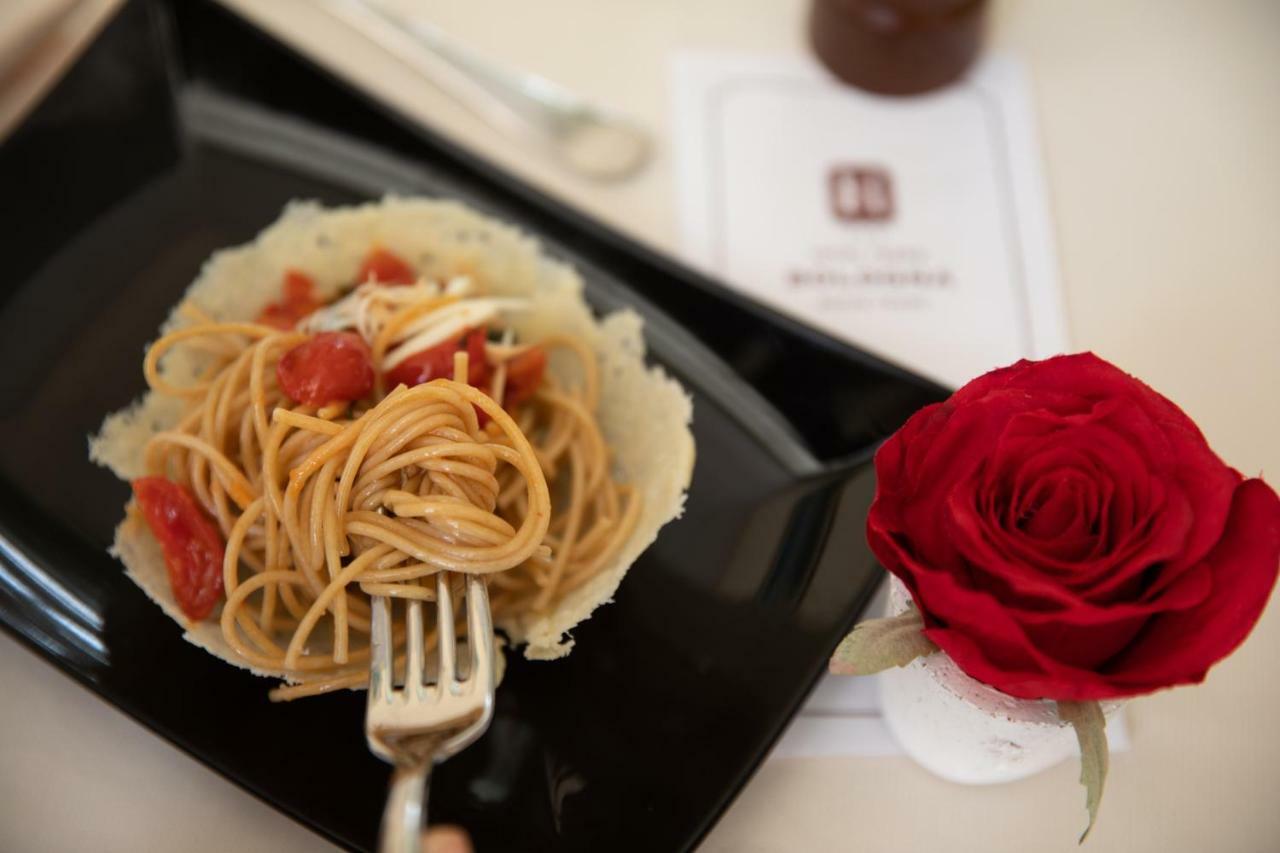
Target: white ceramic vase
pixel 964 730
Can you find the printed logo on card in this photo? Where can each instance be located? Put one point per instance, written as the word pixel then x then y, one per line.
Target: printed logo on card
pixel 860 193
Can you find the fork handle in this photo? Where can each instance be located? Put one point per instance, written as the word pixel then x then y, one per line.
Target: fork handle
pixel 405 815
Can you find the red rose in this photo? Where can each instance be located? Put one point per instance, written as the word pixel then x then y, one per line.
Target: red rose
pixel 1067 533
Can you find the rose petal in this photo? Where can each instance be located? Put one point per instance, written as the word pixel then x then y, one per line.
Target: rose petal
pixel 1040 446
pixel 1023 683
pixel 1179 647
pixel 921 480
pixel 1089 443
pixel 1053 510
pixel 1003 575
pixel 1206 480
pixel 1087 635
pixel 1155 540
pixel 980 634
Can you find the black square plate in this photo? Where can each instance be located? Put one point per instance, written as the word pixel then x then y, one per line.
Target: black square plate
pixel 183 129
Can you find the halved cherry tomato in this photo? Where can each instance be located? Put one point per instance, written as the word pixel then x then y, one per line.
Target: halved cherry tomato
pixel 524 375
pixel 437 362
pixel 192 544
pixel 328 368
pixel 386 268
pixel 298 301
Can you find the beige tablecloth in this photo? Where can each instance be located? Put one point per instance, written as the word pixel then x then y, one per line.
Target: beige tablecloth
pixel 1161 124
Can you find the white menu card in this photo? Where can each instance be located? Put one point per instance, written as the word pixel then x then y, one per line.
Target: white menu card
pixel 917 228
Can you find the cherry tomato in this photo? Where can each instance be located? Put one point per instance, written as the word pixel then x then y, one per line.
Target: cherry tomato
pixel 479 370
pixel 524 375
pixel 298 301
pixel 437 362
pixel 330 367
pixel 192 545
pixel 385 267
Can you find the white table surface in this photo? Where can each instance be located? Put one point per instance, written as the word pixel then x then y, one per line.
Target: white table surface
pixel 1161 127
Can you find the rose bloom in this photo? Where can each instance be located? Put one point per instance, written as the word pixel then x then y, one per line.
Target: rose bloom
pixel 1067 533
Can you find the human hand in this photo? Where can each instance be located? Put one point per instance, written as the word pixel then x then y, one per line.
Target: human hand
pixel 447 839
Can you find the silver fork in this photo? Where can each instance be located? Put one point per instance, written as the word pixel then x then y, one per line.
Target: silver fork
pixel 588 139
pixel 421 724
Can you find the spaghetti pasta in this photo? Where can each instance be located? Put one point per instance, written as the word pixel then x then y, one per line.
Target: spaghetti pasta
pixel 323 504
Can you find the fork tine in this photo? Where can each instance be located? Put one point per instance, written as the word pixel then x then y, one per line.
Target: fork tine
pixel 445 630
pixel 479 628
pixel 380 657
pixel 413 650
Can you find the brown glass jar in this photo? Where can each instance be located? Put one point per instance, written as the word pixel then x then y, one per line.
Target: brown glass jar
pixel 897 47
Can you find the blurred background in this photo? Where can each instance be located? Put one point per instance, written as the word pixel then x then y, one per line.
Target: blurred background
pixel 1135 214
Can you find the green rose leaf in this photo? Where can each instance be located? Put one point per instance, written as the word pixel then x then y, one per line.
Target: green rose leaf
pixel 878 644
pixel 1091 730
